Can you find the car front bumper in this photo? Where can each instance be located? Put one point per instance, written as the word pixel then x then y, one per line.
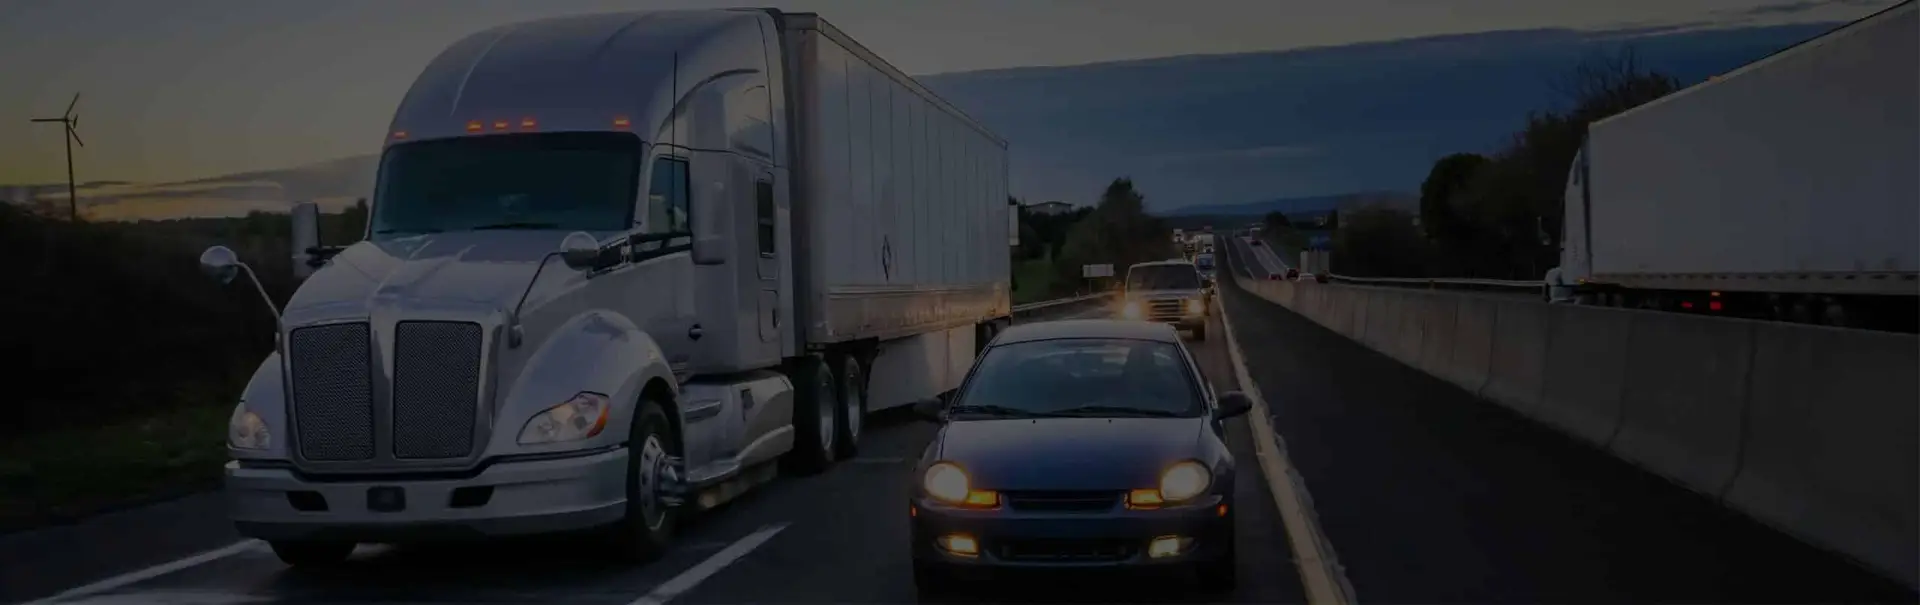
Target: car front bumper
pixel 504 499
pixel 1011 539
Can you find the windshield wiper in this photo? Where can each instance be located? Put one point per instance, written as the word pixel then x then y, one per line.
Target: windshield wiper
pixel 1090 410
pixel 518 225
pixel 994 410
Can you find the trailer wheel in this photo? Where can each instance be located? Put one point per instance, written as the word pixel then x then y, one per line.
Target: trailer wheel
pixel 815 419
pixel 647 529
pixel 852 403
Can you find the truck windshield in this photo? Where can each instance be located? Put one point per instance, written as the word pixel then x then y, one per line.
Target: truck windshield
pixel 1204 262
pixel 1163 277
pixel 575 181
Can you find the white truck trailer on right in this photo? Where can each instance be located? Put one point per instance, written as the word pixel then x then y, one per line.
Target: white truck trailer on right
pixel 1782 190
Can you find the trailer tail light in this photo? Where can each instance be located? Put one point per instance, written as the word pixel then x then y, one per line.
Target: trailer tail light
pixel 527 123
pixel 621 122
pixel 1714 306
pixel 473 126
pixel 399 134
pixel 500 125
pixel 1686 304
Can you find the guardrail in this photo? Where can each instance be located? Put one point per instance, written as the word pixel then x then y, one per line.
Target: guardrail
pixel 1058 304
pixel 1806 428
pixel 1439 283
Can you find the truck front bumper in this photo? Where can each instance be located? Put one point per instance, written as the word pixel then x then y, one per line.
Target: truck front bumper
pixel 504 499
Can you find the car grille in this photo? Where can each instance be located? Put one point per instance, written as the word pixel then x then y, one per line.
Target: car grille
pixel 1086 550
pixel 436 388
pixel 333 391
pixel 1062 501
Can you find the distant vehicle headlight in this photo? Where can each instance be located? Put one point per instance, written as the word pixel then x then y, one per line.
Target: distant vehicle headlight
pixel 583 416
pixel 1184 481
pixel 246 431
pixel 1131 310
pixel 947 482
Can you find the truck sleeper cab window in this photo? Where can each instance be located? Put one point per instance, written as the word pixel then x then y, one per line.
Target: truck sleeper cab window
pixel 571 181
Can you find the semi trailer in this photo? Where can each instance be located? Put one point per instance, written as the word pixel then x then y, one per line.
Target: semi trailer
pixel 619 269
pixel 1782 190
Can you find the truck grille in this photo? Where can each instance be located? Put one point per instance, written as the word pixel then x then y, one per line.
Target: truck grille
pixel 1167 309
pixel 333 391
pixel 1062 501
pixel 436 388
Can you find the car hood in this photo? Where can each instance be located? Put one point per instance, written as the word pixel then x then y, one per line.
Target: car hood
pixel 1069 453
pixel 1162 294
pixel 475 270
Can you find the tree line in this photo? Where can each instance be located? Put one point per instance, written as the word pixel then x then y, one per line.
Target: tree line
pixel 1498 216
pixel 1116 231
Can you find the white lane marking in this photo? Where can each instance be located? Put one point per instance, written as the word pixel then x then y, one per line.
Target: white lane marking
pixel 1320 570
pixel 156 571
pixel 693 576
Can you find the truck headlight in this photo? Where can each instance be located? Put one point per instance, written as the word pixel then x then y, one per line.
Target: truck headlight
pixel 947 482
pixel 583 416
pixel 1195 306
pixel 246 431
pixel 1131 310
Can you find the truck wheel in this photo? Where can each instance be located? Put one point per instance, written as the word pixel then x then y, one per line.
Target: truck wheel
pixel 302 553
pixel 852 404
pixel 648 527
pixel 814 416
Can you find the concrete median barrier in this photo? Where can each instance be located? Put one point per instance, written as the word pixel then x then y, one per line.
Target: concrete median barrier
pixel 1686 382
pixel 1831 452
pixel 1438 321
pixel 1585 372
pixel 1472 350
pixel 1516 369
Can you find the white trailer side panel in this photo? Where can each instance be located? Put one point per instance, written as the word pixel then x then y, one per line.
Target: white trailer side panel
pixel 1799 166
pixel 903 198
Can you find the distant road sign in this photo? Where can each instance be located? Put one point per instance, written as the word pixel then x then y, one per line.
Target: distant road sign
pixel 1091 271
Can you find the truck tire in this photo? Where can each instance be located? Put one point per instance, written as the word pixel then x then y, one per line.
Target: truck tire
pixel 305 553
pixel 852 416
pixel 647 529
pixel 815 418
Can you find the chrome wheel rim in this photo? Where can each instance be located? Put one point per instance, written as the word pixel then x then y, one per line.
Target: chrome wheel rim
pixel 652 511
pixel 855 402
pixel 824 408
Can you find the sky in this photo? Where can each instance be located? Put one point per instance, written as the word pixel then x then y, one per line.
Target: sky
pixel 181 89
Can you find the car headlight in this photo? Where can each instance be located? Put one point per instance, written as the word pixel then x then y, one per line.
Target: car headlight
pixel 1194 306
pixel 583 416
pixel 947 482
pixel 1131 310
pixel 246 431
pixel 1181 482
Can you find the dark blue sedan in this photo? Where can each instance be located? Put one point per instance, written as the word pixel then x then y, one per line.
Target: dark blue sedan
pixel 1077 444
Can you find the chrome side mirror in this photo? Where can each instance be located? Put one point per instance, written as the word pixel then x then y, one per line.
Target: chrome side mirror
pixel 580 251
pixel 221 264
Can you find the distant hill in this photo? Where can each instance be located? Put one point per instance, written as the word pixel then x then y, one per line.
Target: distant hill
pixel 1292 128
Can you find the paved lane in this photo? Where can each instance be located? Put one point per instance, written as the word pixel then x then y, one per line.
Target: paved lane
pixel 836 538
pixel 1429 495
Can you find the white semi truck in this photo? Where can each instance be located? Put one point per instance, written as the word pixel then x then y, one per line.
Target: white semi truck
pixel 616 267
pixel 1782 190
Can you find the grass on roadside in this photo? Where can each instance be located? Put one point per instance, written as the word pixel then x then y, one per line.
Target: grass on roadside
pixel 59 476
pixel 1035 279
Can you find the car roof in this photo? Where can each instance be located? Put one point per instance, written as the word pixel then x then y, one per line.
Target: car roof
pixel 1089 328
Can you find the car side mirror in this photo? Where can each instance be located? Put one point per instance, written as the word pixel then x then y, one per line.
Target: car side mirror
pixel 930 409
pixel 1234 403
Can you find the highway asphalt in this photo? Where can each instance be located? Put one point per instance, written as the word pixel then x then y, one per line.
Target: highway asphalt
pixel 835 538
pixel 1429 495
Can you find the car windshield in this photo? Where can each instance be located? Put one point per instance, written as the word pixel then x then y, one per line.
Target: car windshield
pixel 1090 377
pixel 1163 277
pixel 1204 262
pixel 563 181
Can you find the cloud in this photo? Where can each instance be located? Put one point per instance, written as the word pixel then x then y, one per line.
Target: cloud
pixel 1269 152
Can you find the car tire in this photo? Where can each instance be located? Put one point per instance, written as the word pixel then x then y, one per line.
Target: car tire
pixel 851 402
pixel 815 416
pixel 644 533
pixel 311 553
